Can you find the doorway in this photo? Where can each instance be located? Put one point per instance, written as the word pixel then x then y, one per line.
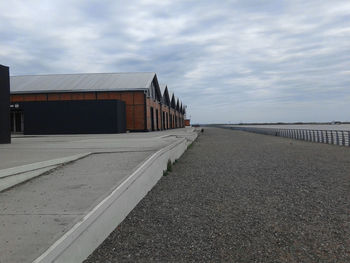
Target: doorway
pixel 17 121
pixel 152 119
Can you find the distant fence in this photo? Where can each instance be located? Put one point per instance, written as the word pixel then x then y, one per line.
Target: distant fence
pixel 322 136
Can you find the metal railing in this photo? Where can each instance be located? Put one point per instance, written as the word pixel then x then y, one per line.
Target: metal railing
pixel 336 137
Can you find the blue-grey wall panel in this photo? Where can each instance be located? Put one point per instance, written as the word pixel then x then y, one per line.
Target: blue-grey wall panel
pixel 5 132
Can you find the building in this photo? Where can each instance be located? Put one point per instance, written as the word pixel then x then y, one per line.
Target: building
pixel 146 108
pixel 5 136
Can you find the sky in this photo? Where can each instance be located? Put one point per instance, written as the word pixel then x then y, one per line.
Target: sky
pixel 228 61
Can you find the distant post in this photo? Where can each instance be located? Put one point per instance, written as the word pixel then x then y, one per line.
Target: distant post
pixel 5 130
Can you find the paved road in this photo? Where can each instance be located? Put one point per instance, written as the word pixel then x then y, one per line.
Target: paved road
pixel 242 197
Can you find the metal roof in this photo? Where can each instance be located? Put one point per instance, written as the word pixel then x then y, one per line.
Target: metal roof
pixel 81 82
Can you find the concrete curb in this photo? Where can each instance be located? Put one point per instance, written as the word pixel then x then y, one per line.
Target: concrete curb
pixel 84 237
pixel 16 175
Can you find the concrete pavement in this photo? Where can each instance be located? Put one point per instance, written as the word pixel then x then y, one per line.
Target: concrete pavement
pixel 35 214
pixel 31 149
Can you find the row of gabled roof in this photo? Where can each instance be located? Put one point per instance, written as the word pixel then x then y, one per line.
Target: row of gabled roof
pixel 171 101
pixel 145 81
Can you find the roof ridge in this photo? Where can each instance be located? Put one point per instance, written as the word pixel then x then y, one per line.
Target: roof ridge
pixel 87 81
pixel 89 73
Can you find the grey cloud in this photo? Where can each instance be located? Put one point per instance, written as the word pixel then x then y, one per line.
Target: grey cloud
pixel 228 60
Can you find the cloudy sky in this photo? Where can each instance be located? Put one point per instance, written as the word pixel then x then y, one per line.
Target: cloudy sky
pixel 229 61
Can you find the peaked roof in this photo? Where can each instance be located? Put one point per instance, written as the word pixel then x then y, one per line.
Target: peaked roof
pixel 183 108
pixel 157 88
pixel 165 97
pixel 173 102
pixel 178 104
pixel 83 82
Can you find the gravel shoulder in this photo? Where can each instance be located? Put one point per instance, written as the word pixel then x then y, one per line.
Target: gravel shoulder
pixel 242 197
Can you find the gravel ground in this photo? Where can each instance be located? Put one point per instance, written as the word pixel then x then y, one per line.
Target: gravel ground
pixel 242 197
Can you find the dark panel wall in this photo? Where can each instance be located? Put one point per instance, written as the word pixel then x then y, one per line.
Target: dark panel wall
pixel 121 116
pixel 5 133
pixel 74 117
pixel 134 103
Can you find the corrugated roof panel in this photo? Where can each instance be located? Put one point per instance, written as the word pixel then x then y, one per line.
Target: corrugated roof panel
pixel 81 82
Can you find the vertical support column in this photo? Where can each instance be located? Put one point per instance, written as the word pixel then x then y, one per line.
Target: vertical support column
pixel 5 132
pixel 332 138
pixel 314 136
pixel 337 137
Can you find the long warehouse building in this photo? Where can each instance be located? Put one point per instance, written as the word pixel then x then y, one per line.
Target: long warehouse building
pixel 92 103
